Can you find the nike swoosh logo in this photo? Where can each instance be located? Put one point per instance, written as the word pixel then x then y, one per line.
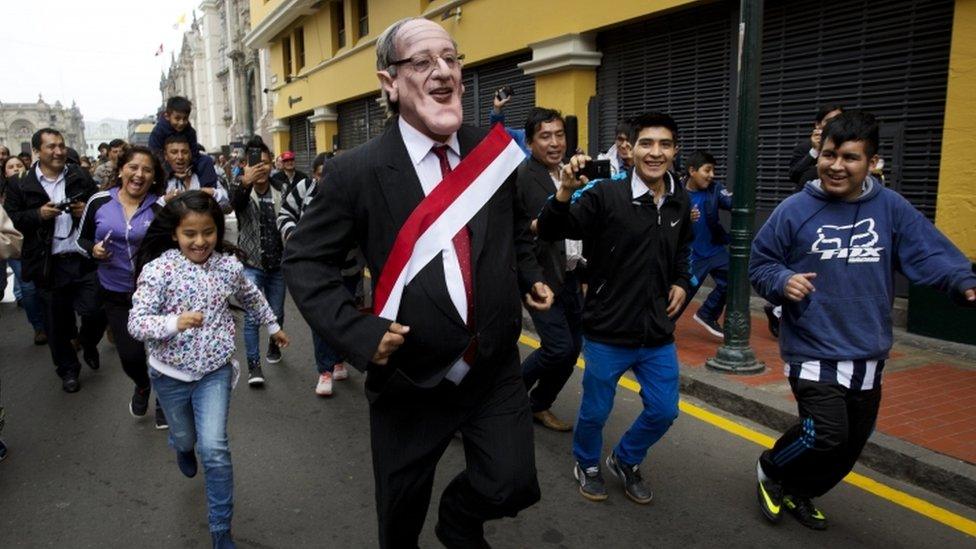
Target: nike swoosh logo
pixel 769 502
pixel 675 222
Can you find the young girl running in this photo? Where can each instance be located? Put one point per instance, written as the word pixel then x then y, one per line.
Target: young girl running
pixel 185 277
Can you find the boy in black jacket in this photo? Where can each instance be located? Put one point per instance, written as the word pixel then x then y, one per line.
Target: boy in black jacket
pixel 641 228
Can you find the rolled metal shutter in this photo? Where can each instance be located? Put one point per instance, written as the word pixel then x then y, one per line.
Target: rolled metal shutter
pixel 302 141
pixel 680 64
pixel 482 81
pixel 890 58
pixel 352 124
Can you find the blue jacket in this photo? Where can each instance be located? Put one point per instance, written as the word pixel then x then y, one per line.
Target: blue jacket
pixel 104 213
pixel 517 135
pixel 854 248
pixel 718 198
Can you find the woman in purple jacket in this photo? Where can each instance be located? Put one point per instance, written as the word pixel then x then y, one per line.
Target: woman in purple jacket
pixel 112 228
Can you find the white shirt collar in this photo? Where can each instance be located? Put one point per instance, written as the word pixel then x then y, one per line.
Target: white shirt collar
pixel 41 177
pixel 418 144
pixel 639 189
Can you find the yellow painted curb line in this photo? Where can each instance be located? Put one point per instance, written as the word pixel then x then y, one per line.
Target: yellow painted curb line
pixel 872 486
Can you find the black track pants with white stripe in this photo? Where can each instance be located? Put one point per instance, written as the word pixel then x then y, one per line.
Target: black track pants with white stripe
pixel 818 452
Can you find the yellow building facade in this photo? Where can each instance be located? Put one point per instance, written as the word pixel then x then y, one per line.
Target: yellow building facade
pixel 323 61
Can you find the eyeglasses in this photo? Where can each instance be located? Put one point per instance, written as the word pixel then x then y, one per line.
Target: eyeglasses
pixel 424 63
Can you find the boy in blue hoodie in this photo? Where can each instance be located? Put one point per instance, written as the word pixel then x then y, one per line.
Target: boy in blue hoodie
pixel 175 120
pixel 709 255
pixel 828 255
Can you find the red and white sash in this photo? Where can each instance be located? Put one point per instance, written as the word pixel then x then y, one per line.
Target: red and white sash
pixel 450 206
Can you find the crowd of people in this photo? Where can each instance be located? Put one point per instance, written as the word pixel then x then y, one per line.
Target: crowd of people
pixel 459 228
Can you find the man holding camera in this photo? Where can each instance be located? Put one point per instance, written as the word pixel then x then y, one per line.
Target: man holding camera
pixel 638 280
pixel 47 206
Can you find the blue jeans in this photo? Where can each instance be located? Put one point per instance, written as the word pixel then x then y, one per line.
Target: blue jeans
pixel 656 369
pixel 197 414
pixel 272 285
pixel 716 266
pixel 26 293
pixel 547 369
pixel 325 356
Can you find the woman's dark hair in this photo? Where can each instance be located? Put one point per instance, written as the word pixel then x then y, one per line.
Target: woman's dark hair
pixel 159 176
pixel 320 160
pixel 160 234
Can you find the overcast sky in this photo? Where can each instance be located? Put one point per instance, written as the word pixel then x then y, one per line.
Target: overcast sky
pixel 99 53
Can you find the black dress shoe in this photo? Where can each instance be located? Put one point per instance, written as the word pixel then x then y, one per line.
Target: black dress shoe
pixel 70 384
pixel 91 359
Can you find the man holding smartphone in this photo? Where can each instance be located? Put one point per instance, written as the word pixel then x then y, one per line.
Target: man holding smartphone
pixel 638 280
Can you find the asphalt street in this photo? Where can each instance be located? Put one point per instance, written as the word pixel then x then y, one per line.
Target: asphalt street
pixel 82 472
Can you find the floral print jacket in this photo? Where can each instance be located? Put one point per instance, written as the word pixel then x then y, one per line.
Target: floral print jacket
pixel 171 285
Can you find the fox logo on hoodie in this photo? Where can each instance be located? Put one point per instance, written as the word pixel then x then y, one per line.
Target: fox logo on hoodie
pixel 855 243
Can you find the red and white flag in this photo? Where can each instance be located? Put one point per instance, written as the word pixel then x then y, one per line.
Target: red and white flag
pixel 448 208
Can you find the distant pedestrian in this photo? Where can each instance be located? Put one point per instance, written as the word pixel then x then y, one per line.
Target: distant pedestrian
pixel 289 174
pixel 112 229
pixel 828 255
pixel 621 153
pixel 25 292
pixel 180 310
pixel 256 203
pixel 105 172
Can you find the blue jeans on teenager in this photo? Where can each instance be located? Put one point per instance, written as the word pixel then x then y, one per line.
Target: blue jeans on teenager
pixel 272 285
pixel 325 356
pixel 656 369
pixel 26 294
pixel 560 330
pixel 197 415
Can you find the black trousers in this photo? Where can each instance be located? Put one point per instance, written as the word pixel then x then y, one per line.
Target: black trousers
pixel 818 452
pixel 408 438
pixel 132 353
pixel 547 369
pixel 71 291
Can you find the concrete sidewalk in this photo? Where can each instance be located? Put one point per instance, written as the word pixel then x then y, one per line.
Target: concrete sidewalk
pixel 926 431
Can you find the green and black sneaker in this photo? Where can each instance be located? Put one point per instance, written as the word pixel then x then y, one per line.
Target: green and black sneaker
pixel 805 512
pixel 770 494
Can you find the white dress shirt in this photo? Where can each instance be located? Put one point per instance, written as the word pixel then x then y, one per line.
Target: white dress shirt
pixel 64 237
pixel 574 248
pixel 428 169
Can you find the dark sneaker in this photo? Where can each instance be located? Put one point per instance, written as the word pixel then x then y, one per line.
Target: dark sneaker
pixel 770 495
pixel 274 353
pixel 772 319
pixel 222 540
pixel 92 359
pixel 591 484
pixel 711 325
pixel 140 402
pixel 255 377
pixel 630 475
pixel 187 462
pixel 70 383
pixel 805 512
pixel 161 422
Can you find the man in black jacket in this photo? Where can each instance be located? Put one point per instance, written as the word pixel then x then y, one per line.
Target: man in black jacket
pixel 639 279
pixel 450 361
pixel 547 369
pixel 47 206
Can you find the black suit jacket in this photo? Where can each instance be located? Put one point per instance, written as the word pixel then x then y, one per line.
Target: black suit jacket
pixel 366 196
pixel 23 201
pixel 534 187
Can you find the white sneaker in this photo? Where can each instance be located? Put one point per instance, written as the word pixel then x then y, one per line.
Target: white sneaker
pixel 324 386
pixel 340 372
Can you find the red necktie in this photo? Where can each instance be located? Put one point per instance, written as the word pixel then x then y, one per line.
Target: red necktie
pixel 462 248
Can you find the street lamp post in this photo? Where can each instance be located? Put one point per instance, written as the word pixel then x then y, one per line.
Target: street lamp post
pixel 736 356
